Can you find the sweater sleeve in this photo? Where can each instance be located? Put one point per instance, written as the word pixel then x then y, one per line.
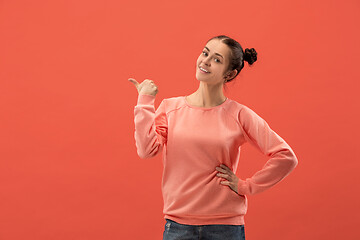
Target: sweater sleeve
pixel 150 126
pixel 282 158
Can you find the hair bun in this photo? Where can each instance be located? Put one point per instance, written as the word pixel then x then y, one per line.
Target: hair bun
pixel 250 55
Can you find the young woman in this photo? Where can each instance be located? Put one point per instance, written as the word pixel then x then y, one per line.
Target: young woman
pixel 201 136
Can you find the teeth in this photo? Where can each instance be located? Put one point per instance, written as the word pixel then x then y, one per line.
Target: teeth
pixel 203 69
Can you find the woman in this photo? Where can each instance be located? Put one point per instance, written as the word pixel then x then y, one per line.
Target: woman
pixel 201 136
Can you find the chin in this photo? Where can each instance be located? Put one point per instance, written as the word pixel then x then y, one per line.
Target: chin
pixel 199 77
pixel 202 78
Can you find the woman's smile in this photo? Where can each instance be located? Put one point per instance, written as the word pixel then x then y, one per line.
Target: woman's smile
pixel 201 70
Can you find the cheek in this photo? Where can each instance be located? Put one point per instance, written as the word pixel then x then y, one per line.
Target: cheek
pixel 218 69
pixel 222 70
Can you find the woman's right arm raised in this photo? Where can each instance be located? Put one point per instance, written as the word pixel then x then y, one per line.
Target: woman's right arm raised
pixel 150 125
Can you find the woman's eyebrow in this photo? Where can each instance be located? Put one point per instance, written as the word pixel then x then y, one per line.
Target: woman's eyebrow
pixel 215 53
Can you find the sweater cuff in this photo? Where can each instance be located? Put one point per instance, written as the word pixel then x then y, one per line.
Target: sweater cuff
pixel 146 99
pixel 243 187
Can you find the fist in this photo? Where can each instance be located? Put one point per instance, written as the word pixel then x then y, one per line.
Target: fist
pixel 146 87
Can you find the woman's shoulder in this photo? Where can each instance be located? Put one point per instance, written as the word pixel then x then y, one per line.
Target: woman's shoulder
pixel 174 99
pixel 236 106
pixel 241 111
pixel 172 103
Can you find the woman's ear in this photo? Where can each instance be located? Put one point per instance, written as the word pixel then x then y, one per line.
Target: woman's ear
pixel 230 75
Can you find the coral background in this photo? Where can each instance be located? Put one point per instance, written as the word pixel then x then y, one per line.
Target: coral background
pixel 68 162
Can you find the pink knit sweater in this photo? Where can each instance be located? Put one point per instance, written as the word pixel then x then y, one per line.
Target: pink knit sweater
pixel 196 140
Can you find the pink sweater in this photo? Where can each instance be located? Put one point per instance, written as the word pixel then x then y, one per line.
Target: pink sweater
pixel 196 140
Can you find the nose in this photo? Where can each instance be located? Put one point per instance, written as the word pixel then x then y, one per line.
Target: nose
pixel 207 61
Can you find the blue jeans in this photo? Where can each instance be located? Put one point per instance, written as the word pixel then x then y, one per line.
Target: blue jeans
pixel 177 231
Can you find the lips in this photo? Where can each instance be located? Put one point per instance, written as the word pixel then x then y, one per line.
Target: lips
pixel 203 71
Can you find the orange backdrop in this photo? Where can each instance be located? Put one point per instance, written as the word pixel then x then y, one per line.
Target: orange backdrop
pixel 68 162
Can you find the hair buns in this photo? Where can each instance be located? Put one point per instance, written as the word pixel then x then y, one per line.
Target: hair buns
pixel 250 55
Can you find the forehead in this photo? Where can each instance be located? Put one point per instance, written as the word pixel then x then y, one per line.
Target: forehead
pixel 216 46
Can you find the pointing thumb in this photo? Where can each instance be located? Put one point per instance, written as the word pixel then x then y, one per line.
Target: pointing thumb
pixel 134 82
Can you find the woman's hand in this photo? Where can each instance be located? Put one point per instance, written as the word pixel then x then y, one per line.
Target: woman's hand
pixel 226 173
pixel 146 87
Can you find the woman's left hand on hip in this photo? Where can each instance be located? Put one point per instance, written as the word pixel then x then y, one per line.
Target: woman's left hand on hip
pixel 225 172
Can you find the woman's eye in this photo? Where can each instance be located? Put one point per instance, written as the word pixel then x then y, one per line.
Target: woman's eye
pixel 205 53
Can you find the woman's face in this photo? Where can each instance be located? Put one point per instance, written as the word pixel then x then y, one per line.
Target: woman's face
pixel 215 59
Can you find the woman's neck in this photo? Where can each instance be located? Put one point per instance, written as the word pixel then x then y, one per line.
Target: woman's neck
pixel 207 96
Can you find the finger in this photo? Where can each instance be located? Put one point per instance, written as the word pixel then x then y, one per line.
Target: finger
pixel 223 176
pixel 134 82
pixel 227 183
pixel 221 170
pixel 226 167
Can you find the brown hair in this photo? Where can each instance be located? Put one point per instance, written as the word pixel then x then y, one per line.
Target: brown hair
pixel 238 56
